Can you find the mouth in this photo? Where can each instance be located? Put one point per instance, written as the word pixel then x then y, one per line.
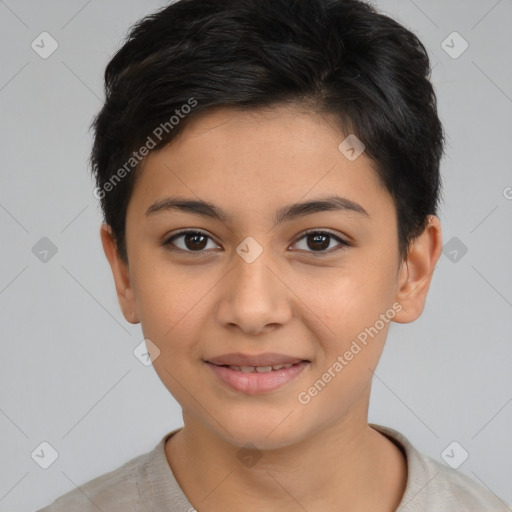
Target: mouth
pixel 255 380
pixel 267 359
pixel 260 369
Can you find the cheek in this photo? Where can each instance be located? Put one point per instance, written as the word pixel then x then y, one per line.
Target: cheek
pixel 351 299
pixel 174 305
pixel 358 314
pixel 356 305
pixel 172 313
pixel 169 297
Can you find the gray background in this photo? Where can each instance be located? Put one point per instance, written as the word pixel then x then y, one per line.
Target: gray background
pixel 67 369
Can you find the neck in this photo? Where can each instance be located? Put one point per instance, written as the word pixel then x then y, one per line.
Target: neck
pixel 347 463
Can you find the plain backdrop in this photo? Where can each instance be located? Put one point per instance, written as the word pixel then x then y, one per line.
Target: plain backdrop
pixel 67 369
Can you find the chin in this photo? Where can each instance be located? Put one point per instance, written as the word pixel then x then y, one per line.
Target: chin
pixel 264 433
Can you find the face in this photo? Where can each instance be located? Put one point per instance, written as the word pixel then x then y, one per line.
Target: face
pixel 315 286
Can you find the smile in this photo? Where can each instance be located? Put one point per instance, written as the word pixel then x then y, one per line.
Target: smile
pixel 254 380
pixel 260 369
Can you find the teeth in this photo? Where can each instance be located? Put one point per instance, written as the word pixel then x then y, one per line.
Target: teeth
pixel 279 366
pixel 260 369
pixel 263 369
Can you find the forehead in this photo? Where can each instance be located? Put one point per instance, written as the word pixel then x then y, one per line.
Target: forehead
pixel 249 160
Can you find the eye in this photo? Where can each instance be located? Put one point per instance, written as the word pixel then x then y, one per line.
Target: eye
pixel 193 241
pixel 319 241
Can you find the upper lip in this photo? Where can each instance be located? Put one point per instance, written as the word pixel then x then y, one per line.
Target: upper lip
pixel 267 359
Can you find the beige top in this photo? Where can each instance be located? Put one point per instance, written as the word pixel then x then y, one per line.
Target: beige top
pixel 147 483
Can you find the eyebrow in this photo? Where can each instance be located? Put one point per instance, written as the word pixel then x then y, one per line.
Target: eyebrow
pixel 287 213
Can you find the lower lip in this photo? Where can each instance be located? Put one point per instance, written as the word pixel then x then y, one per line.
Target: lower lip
pixel 255 383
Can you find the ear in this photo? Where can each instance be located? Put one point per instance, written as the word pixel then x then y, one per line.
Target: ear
pixel 121 273
pixel 416 272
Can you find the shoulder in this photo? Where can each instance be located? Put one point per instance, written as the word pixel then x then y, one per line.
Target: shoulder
pixel 434 487
pixel 118 490
pixel 454 490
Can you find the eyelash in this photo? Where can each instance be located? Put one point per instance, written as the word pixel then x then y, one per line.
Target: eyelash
pixel 343 243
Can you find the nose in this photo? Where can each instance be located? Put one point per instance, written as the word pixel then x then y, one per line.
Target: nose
pixel 254 297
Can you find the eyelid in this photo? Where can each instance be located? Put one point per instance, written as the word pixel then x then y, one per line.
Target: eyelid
pixel 321 230
pixel 168 239
pixel 338 238
pixel 342 243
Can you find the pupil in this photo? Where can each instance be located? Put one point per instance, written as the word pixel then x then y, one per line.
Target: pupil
pixel 192 243
pixel 318 239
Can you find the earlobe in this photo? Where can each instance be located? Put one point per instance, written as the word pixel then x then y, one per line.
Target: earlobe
pixel 416 272
pixel 121 274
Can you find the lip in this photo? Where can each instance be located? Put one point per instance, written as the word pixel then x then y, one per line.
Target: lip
pixel 255 383
pixel 266 359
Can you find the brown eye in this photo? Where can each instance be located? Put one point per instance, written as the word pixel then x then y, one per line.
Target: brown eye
pixel 320 241
pixel 316 242
pixel 192 241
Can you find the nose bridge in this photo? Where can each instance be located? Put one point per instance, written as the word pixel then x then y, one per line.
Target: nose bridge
pixel 253 296
pixel 253 267
pixel 252 275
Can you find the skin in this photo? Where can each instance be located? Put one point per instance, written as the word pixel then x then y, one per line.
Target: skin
pixel 289 300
